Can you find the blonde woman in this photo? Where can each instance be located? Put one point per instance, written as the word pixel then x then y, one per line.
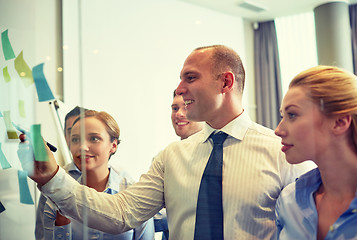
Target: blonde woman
pixel 319 123
pixel 101 139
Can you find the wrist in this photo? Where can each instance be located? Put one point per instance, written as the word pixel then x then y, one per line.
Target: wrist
pixel 47 177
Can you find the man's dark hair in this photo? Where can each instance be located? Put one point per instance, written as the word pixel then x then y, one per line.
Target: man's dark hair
pixel 73 113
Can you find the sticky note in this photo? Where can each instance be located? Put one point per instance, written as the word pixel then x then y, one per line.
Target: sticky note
pixel 38 144
pixel 2 208
pixel 22 112
pixel 23 70
pixel 11 132
pixel 6 46
pixel 44 92
pixel 3 161
pixel 6 75
pixel 25 195
pixel 1 114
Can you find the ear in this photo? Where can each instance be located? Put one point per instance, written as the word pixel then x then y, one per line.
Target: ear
pixel 114 147
pixel 228 81
pixel 341 124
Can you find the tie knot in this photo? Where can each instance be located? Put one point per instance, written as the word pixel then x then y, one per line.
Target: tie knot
pixel 218 138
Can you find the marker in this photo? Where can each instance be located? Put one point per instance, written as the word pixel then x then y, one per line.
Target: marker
pixel 27 133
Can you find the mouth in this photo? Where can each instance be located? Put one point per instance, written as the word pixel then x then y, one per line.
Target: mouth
pixel 286 147
pixel 188 102
pixel 86 157
pixel 182 123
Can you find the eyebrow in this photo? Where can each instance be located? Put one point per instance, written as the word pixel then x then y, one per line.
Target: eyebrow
pixel 287 107
pixel 188 73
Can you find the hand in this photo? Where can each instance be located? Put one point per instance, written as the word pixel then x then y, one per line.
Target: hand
pixel 43 171
pixel 61 220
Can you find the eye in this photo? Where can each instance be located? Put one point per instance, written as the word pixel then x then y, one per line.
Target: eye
pixel 75 140
pixel 190 78
pixel 291 115
pixel 175 109
pixel 94 139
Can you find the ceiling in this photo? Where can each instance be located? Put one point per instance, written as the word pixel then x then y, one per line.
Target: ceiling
pixel 262 10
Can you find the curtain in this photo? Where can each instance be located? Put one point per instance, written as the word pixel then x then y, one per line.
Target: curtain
pixel 353 22
pixel 297 45
pixel 267 75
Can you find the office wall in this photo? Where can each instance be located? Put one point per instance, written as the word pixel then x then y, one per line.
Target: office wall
pixel 132 53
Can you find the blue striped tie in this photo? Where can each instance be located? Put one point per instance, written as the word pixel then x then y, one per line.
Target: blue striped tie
pixel 209 212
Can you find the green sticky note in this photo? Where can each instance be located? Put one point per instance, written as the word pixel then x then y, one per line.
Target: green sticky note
pixel 37 143
pixel 22 109
pixel 25 195
pixel 6 75
pixel 11 132
pixel 6 46
pixel 2 208
pixel 3 161
pixel 23 70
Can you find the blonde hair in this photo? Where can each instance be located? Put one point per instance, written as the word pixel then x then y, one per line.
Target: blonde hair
pixel 333 89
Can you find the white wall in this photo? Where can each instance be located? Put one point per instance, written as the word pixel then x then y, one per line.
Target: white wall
pixel 133 52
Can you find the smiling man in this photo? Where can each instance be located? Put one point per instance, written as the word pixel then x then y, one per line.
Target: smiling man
pixel 183 127
pixel 250 174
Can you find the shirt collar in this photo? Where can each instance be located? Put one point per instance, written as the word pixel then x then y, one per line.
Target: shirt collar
pixel 306 185
pixel 72 167
pixel 235 128
pixel 112 184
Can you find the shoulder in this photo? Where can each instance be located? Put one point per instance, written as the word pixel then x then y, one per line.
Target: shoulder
pixel 121 175
pixel 308 179
pixel 263 132
pixel 288 194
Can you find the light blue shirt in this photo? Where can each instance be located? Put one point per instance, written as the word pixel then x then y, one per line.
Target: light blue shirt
pixel 118 180
pixel 297 215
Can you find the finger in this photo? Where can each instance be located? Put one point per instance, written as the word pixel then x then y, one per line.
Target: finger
pixel 22 137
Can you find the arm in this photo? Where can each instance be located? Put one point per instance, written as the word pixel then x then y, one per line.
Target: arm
pixel 39 229
pixel 51 230
pixel 109 213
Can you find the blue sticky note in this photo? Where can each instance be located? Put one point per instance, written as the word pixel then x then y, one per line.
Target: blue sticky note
pixel 44 92
pixel 25 195
pixel 3 161
pixel 6 46
pixel 2 208
pixel 1 114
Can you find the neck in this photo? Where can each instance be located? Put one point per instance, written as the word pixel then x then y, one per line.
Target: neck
pixel 225 118
pixel 339 173
pixel 98 179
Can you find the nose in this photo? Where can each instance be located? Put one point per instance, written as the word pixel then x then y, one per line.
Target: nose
pixel 84 146
pixel 181 88
pixel 181 112
pixel 279 129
